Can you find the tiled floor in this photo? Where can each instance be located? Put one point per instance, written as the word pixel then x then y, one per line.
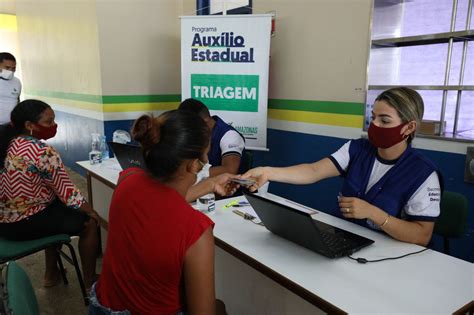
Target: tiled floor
pixel 61 299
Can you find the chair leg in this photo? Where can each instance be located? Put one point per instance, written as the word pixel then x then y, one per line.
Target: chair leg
pixel 78 273
pixel 99 249
pixel 61 266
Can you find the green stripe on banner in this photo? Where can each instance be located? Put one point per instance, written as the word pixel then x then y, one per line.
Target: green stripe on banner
pixel 347 108
pixel 90 98
pixel 117 99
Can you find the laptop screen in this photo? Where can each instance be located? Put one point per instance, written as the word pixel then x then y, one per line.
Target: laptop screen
pixel 128 155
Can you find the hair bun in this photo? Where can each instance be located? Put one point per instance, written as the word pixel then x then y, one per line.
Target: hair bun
pixel 146 130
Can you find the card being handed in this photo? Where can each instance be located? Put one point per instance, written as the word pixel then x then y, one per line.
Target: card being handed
pixel 244 182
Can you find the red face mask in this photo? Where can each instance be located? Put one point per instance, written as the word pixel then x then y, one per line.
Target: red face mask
pixel 385 137
pixel 45 133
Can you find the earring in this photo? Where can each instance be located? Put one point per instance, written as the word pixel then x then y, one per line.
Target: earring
pixel 31 132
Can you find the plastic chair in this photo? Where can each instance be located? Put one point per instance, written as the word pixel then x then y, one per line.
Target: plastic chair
pixel 13 250
pixel 453 217
pixel 18 296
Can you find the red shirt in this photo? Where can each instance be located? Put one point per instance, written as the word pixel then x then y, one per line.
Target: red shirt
pixel 151 227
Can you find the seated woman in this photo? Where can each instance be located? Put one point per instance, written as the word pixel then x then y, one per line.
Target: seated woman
pixel 159 257
pixel 37 198
pixel 388 185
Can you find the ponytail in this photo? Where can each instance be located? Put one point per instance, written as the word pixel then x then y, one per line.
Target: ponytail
pixel 170 139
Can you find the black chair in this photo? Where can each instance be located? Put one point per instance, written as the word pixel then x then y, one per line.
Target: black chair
pixel 451 222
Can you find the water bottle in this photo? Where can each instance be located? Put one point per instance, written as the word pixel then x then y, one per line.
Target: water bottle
pixel 95 156
pixel 104 148
pixel 206 203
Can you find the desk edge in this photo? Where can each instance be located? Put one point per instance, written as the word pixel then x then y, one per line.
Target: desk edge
pixel 285 282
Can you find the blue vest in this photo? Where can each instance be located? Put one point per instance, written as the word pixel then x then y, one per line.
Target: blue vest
pixel 215 153
pixel 392 192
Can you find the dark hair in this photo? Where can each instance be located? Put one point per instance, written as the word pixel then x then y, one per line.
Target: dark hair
pixel 6 56
pixel 28 110
pixel 170 139
pixel 195 106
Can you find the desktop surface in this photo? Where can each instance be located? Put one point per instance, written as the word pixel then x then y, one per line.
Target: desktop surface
pixel 407 285
pixel 428 283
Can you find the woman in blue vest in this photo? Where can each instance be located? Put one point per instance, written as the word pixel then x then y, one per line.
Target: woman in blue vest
pixel 388 185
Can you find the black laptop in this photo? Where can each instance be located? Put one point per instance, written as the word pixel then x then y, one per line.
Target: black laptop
pixel 127 155
pixel 299 227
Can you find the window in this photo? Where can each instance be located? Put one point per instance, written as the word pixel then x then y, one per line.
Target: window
pixel 412 44
pixel 233 7
pixel 216 7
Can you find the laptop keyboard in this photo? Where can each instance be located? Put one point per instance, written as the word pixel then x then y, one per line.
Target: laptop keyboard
pixel 335 243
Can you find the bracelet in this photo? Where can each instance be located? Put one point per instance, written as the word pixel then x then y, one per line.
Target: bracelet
pixel 384 222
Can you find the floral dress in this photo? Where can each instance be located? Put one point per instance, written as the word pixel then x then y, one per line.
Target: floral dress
pixel 32 177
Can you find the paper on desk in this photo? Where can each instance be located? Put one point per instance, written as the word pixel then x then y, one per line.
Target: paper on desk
pixel 112 164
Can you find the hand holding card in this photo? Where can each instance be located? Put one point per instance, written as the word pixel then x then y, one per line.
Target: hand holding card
pixel 244 182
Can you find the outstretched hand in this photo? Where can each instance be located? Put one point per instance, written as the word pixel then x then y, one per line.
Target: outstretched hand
pixel 260 176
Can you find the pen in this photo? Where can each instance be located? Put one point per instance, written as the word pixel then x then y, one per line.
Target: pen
pixel 230 204
pixel 244 215
pixel 236 203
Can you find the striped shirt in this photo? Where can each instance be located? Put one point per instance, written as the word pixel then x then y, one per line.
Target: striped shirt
pixel 32 177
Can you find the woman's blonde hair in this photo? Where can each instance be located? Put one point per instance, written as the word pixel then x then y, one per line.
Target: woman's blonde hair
pixel 407 102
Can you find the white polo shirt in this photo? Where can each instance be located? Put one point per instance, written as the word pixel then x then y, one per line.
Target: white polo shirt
pixel 232 143
pixel 10 91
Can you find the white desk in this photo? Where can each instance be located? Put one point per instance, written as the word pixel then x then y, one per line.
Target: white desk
pixel 260 273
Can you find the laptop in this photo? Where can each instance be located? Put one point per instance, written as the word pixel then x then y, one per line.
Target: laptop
pixel 300 228
pixel 127 155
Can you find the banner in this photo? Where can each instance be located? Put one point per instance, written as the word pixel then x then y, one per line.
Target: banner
pixel 224 64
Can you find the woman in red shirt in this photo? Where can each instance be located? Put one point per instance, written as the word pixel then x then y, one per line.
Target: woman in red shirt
pixel 37 198
pixel 159 257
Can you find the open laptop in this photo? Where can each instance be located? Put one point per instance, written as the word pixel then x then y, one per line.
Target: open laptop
pixel 127 155
pixel 300 228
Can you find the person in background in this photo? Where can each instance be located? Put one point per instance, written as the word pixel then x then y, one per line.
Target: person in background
pixel 159 257
pixel 227 144
pixel 10 86
pixel 37 198
pixel 388 186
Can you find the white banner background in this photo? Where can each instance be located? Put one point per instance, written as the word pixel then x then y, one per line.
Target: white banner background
pixel 255 30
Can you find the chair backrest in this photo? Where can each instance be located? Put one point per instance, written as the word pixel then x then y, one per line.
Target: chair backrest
pixel 453 217
pixel 247 161
pixel 20 296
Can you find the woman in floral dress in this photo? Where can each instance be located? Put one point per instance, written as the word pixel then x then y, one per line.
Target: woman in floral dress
pixel 37 198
